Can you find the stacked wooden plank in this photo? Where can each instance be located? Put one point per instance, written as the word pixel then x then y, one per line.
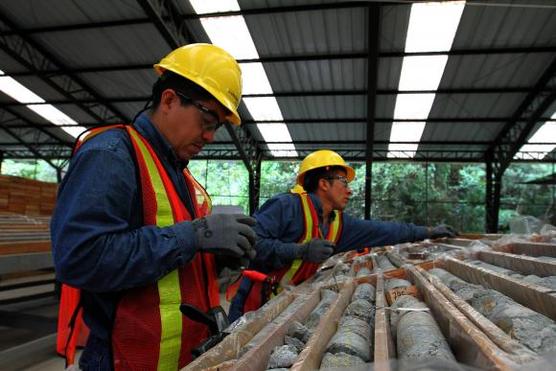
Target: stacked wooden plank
pixel 21 234
pixel 26 268
pixel 26 196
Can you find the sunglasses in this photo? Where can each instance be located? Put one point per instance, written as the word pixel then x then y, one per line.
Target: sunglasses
pixel 341 178
pixel 210 117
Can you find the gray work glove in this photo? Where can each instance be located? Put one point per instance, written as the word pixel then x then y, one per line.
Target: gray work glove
pixel 226 234
pixel 316 251
pixel 442 230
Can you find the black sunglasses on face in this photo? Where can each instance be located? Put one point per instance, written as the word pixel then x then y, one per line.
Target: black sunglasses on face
pixel 210 117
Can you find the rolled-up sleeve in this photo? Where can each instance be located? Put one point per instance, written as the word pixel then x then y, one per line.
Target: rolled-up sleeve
pixel 99 242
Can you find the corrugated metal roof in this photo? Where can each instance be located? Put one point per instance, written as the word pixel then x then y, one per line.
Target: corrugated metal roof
pixel 315 54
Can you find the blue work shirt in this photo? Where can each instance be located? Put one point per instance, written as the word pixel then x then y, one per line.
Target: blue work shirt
pixel 99 242
pixel 280 225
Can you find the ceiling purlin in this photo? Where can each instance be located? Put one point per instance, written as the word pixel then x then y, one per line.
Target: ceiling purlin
pixel 36 58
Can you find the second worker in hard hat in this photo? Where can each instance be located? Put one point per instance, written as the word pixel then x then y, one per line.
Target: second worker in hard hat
pixel 297 231
pixel 132 229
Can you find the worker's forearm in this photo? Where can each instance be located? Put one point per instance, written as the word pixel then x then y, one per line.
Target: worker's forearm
pixel 118 261
pixel 275 254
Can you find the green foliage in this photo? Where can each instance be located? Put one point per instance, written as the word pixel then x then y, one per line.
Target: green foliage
pixel 32 169
pixel 520 198
pixel 226 181
pixel 424 194
pixel 277 177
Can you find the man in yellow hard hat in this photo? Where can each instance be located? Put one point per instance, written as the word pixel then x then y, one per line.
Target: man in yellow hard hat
pixel 299 230
pixel 132 229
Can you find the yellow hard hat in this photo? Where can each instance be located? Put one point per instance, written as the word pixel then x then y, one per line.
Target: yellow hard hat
pixel 323 158
pixel 210 67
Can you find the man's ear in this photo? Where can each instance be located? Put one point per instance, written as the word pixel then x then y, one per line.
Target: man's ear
pixel 324 184
pixel 167 98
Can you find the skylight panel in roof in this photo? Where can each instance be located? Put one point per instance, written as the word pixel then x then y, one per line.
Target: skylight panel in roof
pixel 214 6
pixel 405 132
pixel 277 132
pixel 14 89
pixel 57 117
pixel 432 27
pixel 255 80
pixel 413 107
pixel 9 86
pixel 232 34
pixel 263 109
pixel 422 72
pixel 545 134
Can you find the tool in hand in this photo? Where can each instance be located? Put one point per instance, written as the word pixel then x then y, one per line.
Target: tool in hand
pixel 217 321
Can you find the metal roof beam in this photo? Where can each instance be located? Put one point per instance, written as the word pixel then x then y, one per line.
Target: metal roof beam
pixel 340 120
pixel 527 115
pixel 143 98
pixel 400 54
pixel 77 26
pixel 165 14
pixel 356 120
pixel 309 57
pixel 180 18
pixel 32 149
pixel 349 155
pixel 31 125
pixel 36 58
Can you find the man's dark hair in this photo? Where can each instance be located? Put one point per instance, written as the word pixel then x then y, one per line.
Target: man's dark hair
pixel 312 177
pixel 170 80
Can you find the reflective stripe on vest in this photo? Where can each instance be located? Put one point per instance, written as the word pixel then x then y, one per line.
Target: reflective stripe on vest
pixel 169 285
pixel 312 230
pixel 153 310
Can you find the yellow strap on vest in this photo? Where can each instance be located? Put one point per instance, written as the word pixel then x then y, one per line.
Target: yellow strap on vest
pixel 308 233
pixel 168 286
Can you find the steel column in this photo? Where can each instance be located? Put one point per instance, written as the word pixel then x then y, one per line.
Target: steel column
pixel 372 70
pixel 513 136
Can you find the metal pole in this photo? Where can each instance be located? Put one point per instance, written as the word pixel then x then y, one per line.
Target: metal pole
pixel 372 67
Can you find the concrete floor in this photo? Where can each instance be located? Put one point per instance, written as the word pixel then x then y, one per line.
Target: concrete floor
pixel 47 308
pixel 52 364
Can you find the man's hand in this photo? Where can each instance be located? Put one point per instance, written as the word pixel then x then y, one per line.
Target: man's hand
pixel 316 250
pixel 226 234
pixel 442 230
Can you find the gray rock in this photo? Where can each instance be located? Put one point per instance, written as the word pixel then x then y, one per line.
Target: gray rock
pixel 418 338
pixel 327 298
pixel 298 344
pixel 549 281
pixel 404 301
pixel 282 356
pixel 384 263
pixel 530 328
pixel 361 309
pixel 340 359
pixel 364 291
pixel 356 325
pixel 299 331
pixel 350 343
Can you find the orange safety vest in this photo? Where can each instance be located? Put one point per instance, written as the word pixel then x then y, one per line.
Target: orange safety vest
pixel 299 270
pixel 149 330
